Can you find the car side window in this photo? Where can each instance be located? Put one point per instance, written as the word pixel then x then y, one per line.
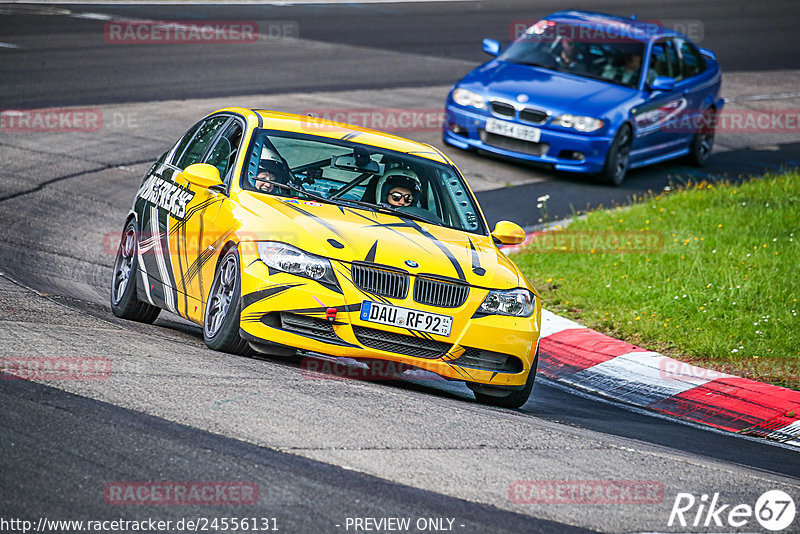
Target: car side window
pixel 674 62
pixel 223 155
pixel 692 62
pixel 663 61
pixel 183 142
pixel 201 141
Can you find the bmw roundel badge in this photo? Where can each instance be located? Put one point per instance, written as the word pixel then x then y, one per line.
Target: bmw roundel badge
pixel 412 264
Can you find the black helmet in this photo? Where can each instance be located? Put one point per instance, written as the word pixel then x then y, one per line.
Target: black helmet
pixel 276 169
pixel 273 167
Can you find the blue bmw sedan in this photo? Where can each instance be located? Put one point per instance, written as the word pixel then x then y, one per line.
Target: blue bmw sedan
pixel 589 93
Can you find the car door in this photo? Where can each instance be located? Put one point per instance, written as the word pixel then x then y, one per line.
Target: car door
pixel 198 237
pixel 655 119
pixel 168 205
pixel 694 87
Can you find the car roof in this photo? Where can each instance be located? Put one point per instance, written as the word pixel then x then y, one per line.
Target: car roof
pixel 632 28
pixel 304 124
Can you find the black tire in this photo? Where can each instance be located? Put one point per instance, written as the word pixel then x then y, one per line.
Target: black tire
pixel 221 317
pixel 124 302
pixel 703 140
pixel 515 398
pixel 618 157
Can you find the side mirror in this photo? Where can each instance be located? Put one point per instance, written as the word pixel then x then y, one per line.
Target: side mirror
pixel 202 174
pixel 491 47
pixel 508 233
pixel 663 83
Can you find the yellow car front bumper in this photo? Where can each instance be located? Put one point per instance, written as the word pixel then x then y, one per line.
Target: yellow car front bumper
pixel 293 311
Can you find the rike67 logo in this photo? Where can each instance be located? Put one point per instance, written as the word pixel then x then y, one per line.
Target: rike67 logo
pixel 774 510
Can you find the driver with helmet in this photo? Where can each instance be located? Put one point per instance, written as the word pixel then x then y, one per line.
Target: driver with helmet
pixel 400 188
pixel 271 171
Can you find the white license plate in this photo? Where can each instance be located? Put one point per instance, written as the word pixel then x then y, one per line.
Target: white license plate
pixel 510 129
pixel 432 323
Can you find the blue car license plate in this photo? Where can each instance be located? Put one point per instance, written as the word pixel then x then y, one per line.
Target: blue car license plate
pixel 511 129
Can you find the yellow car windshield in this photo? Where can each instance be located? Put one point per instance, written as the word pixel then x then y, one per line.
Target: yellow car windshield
pixel 362 175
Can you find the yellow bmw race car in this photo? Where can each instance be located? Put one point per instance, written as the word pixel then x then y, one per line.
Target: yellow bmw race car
pixel 284 233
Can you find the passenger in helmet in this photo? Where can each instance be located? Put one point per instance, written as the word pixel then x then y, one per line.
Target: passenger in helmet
pixel 400 196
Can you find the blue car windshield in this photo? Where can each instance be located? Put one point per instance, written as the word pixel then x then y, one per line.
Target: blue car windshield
pixel 587 52
pixel 360 176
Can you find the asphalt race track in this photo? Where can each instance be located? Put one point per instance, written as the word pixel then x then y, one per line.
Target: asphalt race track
pixel 321 452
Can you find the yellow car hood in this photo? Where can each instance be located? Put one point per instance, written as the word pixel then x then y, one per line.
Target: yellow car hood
pixel 349 234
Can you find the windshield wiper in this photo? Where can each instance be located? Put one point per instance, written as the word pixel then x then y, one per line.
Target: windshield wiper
pixel 360 203
pixel 384 209
pixel 405 214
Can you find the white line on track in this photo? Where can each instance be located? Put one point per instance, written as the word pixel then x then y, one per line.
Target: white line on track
pixel 769 96
pixel 9 45
pixel 92 16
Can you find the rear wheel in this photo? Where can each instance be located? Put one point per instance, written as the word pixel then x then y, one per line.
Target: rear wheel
pixel 221 321
pixel 514 398
pixel 703 140
pixel 124 302
pixel 618 157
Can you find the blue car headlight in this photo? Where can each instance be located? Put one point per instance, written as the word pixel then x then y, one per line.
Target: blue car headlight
pixel 465 97
pixel 578 122
pixel 292 260
pixel 514 302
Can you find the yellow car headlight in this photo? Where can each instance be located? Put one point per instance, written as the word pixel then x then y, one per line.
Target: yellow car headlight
pixel 515 302
pixel 292 260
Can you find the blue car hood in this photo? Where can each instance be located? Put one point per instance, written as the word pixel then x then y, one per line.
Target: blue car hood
pixel 553 91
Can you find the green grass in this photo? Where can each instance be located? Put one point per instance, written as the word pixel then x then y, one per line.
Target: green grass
pixel 708 274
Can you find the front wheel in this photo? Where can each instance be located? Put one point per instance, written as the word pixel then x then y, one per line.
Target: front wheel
pixel 124 302
pixel 514 398
pixel 618 157
pixel 221 321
